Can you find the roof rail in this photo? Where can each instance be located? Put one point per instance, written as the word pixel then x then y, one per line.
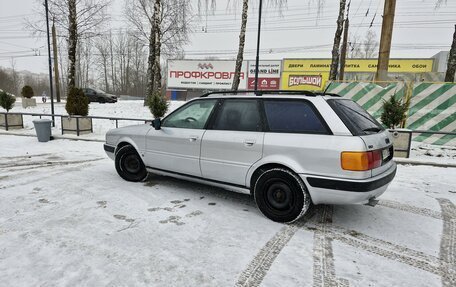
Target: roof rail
pixel 327 94
pixel 261 92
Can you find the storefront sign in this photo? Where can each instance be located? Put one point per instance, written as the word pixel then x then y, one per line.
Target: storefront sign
pixel 201 74
pixel 359 65
pixel 304 81
pixel 268 75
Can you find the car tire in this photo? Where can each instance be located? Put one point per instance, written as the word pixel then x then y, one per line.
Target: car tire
pixel 281 195
pixel 101 100
pixel 129 164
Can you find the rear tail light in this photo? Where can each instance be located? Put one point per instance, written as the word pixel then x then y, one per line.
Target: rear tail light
pixel 361 161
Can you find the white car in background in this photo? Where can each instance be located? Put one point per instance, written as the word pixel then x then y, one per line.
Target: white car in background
pixel 288 149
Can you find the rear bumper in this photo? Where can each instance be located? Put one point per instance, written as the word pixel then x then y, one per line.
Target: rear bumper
pixel 324 190
pixel 109 150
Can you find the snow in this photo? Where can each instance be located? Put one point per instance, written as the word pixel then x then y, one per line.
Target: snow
pixel 68 219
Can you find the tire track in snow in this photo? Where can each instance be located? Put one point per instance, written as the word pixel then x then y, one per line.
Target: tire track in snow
pixel 49 175
pixel 411 209
pixel 324 272
pixel 257 269
pixel 448 243
pixel 38 164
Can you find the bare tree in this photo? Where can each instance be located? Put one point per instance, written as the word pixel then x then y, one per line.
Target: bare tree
pixel 75 20
pixel 451 68
pixel 336 45
pixel 364 49
pixel 72 43
pixel 156 68
pixel 161 25
pixel 240 55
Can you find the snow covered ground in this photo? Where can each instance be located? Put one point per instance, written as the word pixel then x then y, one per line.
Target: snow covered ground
pixel 67 219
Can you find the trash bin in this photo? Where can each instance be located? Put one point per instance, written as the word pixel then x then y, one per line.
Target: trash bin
pixel 43 129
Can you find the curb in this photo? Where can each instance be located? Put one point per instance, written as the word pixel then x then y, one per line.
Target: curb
pixel 60 137
pixel 425 163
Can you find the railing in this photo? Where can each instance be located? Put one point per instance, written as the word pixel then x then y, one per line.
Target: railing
pixel 116 119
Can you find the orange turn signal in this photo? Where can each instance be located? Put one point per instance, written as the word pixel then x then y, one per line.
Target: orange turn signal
pixel 356 161
pixel 361 161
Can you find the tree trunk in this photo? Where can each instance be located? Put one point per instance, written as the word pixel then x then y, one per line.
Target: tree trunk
pixel 240 55
pixel 336 46
pixel 451 69
pixel 72 43
pixel 150 64
pixel 157 33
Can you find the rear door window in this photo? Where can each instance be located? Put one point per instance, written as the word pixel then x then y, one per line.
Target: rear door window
pixel 238 115
pixel 293 116
pixel 357 119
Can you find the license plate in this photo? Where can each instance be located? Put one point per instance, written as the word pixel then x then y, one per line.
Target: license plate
pixel 385 153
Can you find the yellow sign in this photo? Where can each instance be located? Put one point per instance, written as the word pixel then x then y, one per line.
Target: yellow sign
pixel 304 81
pixel 359 65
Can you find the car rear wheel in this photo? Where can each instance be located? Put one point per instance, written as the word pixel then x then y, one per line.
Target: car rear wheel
pixel 129 164
pixel 281 195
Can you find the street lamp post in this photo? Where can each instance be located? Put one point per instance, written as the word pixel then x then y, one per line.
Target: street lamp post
pixel 257 60
pixel 50 62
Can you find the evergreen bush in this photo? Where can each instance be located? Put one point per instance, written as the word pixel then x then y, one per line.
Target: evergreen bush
pixel 6 100
pixel 394 112
pixel 77 103
pixel 157 104
pixel 27 92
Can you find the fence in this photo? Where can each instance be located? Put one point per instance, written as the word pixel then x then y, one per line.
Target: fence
pixel 432 105
pixel 102 129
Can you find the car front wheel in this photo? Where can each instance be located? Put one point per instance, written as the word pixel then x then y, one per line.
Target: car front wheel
pixel 129 164
pixel 281 195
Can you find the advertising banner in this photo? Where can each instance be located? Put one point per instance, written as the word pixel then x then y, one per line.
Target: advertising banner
pixel 304 81
pixel 204 74
pixel 268 75
pixel 359 65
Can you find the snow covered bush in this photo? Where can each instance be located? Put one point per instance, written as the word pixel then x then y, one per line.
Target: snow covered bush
pixel 394 112
pixel 6 100
pixel 77 103
pixel 27 92
pixel 157 104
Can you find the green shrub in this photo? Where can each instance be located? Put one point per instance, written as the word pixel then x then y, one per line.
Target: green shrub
pixel 157 104
pixel 77 103
pixel 394 112
pixel 6 100
pixel 27 92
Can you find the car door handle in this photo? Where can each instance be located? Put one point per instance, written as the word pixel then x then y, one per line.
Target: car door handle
pixel 193 138
pixel 249 142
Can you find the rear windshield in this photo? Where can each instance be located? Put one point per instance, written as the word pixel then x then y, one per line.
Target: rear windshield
pixel 357 120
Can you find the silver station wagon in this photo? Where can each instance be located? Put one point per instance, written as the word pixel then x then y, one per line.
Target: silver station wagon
pixel 287 149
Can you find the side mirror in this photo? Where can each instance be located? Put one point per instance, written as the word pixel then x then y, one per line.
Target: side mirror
pixel 156 123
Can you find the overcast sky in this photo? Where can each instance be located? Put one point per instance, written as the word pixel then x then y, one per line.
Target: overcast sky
pixel 420 30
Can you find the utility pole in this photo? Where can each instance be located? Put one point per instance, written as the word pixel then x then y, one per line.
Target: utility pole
pixel 257 59
pixel 49 58
pixel 385 40
pixel 56 63
pixel 343 53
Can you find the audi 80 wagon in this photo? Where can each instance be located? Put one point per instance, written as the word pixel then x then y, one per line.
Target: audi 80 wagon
pixel 288 149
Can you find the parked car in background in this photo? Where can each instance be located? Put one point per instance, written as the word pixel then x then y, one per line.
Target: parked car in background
pixel 99 96
pixel 288 149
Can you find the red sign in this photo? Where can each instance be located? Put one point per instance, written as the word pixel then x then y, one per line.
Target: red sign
pixel 264 83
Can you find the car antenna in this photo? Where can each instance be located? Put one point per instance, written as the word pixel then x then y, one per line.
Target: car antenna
pixel 327 87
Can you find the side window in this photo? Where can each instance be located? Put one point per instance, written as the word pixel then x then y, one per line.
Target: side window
pixel 293 116
pixel 192 116
pixel 238 115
